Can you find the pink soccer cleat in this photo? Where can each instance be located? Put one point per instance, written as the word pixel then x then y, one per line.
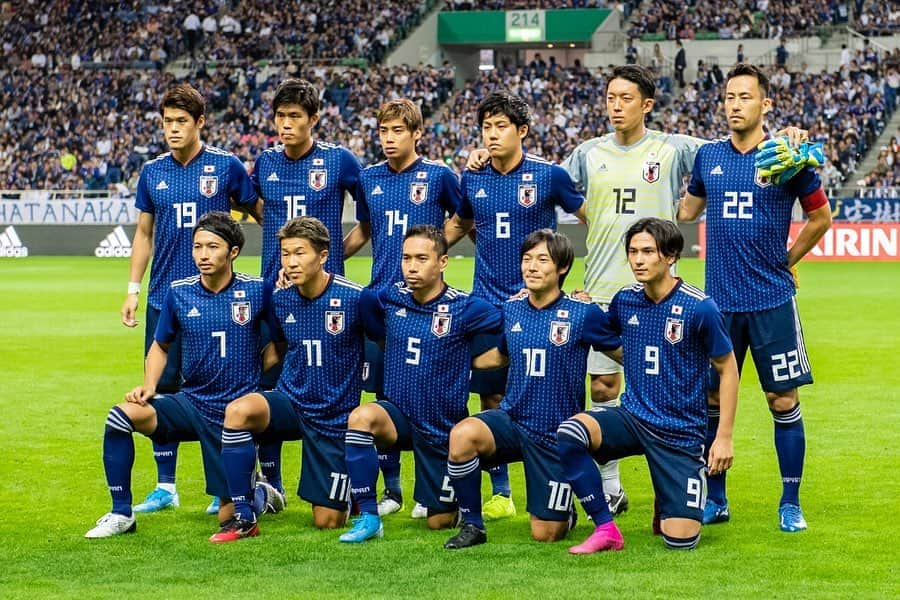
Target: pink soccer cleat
pixel 605 537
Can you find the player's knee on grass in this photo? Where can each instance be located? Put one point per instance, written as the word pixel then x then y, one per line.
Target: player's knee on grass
pixel 679 528
pixel 328 518
pixel 441 520
pixel 548 531
pixel 605 388
pixel 143 418
pixel 782 401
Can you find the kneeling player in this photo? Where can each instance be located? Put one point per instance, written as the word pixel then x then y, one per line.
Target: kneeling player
pixel 429 332
pixel 670 331
pixel 218 314
pixel 546 336
pixel 320 384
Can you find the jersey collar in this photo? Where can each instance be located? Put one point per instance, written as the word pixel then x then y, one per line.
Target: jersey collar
pixel 664 299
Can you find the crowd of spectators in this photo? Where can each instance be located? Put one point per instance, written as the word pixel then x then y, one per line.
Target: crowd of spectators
pixel 528 4
pixel 763 18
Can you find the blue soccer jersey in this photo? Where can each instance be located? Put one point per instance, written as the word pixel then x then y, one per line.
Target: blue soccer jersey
pixel 547 349
pixel 666 348
pixel 322 371
pixel 177 196
pixel 427 355
pixel 220 334
pixel 312 185
pixel 748 219
pixel 506 210
pixel 425 193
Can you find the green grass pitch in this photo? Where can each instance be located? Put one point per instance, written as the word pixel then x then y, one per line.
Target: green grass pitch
pixel 66 359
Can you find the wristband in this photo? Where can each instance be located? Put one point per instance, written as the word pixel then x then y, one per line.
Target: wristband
pixel 134 287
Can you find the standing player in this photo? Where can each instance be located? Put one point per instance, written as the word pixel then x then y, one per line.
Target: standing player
pixel 670 331
pixel 430 332
pixel 174 191
pixel 394 195
pixel 299 177
pixel 320 384
pixel 748 273
pixel 218 315
pixel 546 336
pixel 517 194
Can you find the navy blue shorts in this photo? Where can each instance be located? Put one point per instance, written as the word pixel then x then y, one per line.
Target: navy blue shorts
pixel 268 379
pixel 323 473
pixel 775 340
pixel 488 381
pixel 178 420
pixel 171 379
pixel 678 473
pixel 432 489
pixel 549 494
pixel 373 370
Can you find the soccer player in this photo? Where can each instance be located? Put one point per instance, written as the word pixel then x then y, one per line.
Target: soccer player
pixel 318 318
pixel 218 315
pixel 670 332
pixel 174 191
pixel 546 336
pixel 299 177
pixel 430 332
pixel 393 195
pixel 748 273
pixel 517 194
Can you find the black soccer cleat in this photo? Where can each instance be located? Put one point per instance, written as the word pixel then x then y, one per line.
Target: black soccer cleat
pixel 468 535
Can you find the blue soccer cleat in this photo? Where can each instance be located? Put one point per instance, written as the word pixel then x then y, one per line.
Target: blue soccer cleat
pixel 364 528
pixel 213 508
pixel 714 512
pixel 156 500
pixel 790 518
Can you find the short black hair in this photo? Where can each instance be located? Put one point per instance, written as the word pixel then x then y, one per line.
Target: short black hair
pixel 505 103
pixel 753 71
pixel 296 91
pixel 642 77
pixel 223 225
pixel 432 233
pixel 669 240
pixel 560 248
pixel 184 96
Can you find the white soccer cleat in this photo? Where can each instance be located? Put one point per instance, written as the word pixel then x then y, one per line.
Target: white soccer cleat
pixel 112 524
pixel 419 512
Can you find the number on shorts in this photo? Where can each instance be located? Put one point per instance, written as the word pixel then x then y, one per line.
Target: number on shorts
pixel 449 494
pixel 786 366
pixel 340 487
pixel 560 496
pixel 695 493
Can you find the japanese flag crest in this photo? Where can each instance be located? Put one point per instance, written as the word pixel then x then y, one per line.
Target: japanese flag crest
pixel 559 333
pixel 762 180
pixel 418 192
pixel 527 195
pixel 674 330
pixel 650 172
pixel 440 324
pixel 318 179
pixel 209 185
pixel 240 312
pixel 334 321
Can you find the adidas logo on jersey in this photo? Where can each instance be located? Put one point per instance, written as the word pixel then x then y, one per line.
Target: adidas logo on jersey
pixel 162 185
pixel 377 190
pixel 481 193
pixel 602 168
pixel 273 177
pixel 115 244
pixel 717 170
pixel 633 320
pixel 516 328
pixel 11 245
pixel 193 312
pixel 401 312
pixel 290 318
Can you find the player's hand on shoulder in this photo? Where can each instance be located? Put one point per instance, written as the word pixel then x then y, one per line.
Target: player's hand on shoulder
pixel 140 395
pixel 581 295
pixel 129 310
pixel 523 293
pixel 478 159
pixel 721 455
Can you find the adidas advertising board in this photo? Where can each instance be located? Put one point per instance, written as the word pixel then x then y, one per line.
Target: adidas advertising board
pixel 114 245
pixel 11 245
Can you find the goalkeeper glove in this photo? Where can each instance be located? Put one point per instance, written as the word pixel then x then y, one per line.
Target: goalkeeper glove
pixel 776 158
